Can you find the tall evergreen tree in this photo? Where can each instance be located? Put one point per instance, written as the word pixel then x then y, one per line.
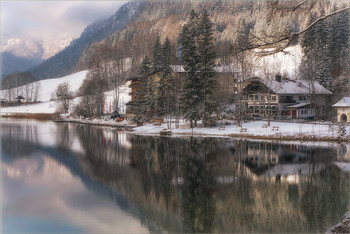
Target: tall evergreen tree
pixel 321 47
pixel 198 58
pixel 206 52
pixel 309 37
pixel 166 84
pixel 157 55
pixel 150 100
pixel 339 42
pixel 143 95
pixel 326 49
pixel 191 92
pixel 315 44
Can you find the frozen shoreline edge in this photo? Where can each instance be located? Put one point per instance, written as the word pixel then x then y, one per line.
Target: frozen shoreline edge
pixel 129 129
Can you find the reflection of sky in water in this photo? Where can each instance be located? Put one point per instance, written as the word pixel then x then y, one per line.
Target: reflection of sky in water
pixel 80 178
pixel 40 195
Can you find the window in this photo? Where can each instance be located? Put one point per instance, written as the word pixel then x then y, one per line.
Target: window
pixel 300 98
pixel 273 98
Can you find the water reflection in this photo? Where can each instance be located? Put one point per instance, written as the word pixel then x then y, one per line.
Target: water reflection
pixel 183 184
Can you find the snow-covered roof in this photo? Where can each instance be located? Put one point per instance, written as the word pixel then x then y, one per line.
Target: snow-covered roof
pixel 344 102
pixel 294 86
pixel 218 69
pixel 299 105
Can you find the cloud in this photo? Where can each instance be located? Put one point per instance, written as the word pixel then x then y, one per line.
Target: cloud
pixel 52 19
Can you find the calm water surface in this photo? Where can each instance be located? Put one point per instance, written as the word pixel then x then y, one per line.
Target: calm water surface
pixel 63 177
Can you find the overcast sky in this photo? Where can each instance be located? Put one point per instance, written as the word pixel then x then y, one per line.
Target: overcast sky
pixel 52 19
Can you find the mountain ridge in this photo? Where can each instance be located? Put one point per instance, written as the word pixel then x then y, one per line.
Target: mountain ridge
pixel 66 61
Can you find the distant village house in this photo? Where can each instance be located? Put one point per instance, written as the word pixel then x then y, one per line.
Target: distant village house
pixel 343 110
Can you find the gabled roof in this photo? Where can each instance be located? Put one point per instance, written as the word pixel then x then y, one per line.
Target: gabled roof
pixel 344 102
pixel 293 86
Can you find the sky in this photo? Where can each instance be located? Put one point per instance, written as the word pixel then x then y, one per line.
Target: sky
pixel 47 20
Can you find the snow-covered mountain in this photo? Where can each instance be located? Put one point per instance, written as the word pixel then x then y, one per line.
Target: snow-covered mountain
pixel 66 61
pixel 22 54
pixel 31 48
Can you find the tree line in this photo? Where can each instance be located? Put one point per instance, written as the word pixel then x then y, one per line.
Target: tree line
pixel 159 91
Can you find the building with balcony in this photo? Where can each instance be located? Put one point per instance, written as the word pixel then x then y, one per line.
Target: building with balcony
pixel 284 98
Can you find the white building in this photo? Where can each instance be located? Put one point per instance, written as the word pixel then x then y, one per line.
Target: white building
pixel 343 110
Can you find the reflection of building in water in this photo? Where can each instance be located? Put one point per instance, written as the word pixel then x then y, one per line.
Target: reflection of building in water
pixel 343 152
pixel 267 159
pixel 112 138
pixel 115 146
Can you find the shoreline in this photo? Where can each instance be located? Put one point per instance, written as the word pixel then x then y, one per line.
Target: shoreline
pixel 128 127
pixel 35 116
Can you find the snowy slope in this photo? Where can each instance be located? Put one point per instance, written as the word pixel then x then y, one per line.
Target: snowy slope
pixel 282 63
pixel 47 88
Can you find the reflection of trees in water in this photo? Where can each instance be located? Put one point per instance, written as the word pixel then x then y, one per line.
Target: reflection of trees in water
pixel 325 198
pixel 19 140
pixel 105 158
pixel 63 136
pixel 156 159
pixel 199 186
pixel 204 185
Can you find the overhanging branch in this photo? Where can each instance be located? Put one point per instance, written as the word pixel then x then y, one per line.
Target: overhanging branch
pixel 284 41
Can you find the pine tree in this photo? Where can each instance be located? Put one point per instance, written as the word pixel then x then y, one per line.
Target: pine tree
pixel 339 42
pixel 191 93
pixel 150 102
pixel 157 55
pixel 198 57
pixel 206 52
pixel 315 44
pixel 308 40
pixel 323 75
pixel 165 87
pixel 143 97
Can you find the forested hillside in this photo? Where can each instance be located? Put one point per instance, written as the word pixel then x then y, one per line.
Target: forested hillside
pixel 238 26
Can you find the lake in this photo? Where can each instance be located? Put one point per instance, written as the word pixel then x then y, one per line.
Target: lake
pixel 77 178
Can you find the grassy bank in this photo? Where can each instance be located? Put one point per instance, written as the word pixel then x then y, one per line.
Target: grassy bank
pixel 36 116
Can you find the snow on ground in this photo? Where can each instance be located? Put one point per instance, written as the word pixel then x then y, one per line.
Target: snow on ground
pixel 47 88
pixel 254 128
pixel 43 107
pixel 48 107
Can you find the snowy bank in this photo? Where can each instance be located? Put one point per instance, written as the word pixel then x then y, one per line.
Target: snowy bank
pixel 258 130
pixel 255 130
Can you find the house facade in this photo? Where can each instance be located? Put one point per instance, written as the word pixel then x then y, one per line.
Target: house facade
pixel 284 98
pixel 343 110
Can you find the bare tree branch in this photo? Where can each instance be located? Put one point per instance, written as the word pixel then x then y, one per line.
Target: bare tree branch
pixel 269 47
